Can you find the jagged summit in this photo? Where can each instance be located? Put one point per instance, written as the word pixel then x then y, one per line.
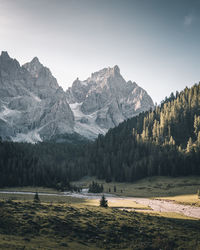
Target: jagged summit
pixel 105 73
pixel 104 100
pixel 9 67
pixel 116 68
pixel 42 74
pixel 8 62
pixel 34 66
pixel 35 60
pixel 4 54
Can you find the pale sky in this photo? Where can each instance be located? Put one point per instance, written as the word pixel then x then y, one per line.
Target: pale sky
pixel 156 43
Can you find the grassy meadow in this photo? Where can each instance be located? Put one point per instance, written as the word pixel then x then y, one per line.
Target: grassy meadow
pixel 43 198
pixel 150 187
pixel 181 190
pixel 157 186
pixel 187 199
pixel 116 203
pixel 63 222
pixel 31 225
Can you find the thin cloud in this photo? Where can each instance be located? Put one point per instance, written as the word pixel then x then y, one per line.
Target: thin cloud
pixel 188 20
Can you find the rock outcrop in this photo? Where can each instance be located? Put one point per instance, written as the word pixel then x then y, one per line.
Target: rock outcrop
pixel 32 105
pixel 104 100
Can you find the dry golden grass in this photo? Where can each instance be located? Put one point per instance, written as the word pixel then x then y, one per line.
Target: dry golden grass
pixel 118 203
pixel 190 199
pixel 167 215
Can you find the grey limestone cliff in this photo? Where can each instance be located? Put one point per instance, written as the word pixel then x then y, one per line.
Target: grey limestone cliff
pixel 104 100
pixel 32 105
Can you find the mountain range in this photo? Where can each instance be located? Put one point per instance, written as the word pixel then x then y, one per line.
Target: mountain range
pixel 33 107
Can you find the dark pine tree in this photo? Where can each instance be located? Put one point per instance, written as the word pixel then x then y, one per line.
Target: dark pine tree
pixel 103 202
pixel 36 197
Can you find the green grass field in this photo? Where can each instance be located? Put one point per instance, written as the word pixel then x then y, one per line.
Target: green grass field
pixel 157 186
pixel 43 198
pixel 181 190
pixel 29 225
pixel 31 189
pixel 61 222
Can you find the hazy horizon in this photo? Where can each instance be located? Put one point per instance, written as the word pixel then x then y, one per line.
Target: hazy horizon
pixel 155 43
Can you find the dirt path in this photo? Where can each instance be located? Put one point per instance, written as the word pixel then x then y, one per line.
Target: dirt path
pixel 165 206
pixel 156 205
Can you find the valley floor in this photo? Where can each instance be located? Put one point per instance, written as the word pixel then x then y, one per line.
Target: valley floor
pixel 153 194
pixel 126 203
pixel 164 214
pixel 32 225
pixel 156 186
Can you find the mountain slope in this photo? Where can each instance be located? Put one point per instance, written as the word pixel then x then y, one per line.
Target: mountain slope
pixel 104 100
pixel 164 141
pixel 32 105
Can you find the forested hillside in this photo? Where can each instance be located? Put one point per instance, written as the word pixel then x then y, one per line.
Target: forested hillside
pixel 47 164
pixel 163 141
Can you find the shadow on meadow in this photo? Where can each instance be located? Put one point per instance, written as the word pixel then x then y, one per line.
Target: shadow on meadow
pixel 34 225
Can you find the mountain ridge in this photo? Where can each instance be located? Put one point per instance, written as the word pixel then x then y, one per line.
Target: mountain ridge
pixel 33 107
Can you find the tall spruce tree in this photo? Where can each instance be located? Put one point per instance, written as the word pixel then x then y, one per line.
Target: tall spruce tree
pixel 103 202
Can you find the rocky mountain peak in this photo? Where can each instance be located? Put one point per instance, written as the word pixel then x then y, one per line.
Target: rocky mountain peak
pixel 43 76
pixel 8 67
pixel 35 60
pixel 4 55
pixel 104 100
pixel 76 82
pixel 116 69
pixel 34 67
pixel 101 77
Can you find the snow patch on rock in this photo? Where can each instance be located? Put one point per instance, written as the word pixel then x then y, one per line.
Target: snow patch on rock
pixel 31 137
pixel 86 125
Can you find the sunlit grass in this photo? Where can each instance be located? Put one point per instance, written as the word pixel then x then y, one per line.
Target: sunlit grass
pixel 118 203
pixel 171 215
pixel 190 199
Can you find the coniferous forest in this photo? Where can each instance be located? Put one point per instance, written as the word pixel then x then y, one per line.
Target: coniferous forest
pixel 164 141
pixel 44 164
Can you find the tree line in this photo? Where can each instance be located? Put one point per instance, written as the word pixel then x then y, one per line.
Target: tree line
pixel 44 164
